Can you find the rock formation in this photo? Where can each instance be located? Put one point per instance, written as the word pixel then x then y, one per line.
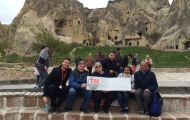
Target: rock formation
pixel 128 23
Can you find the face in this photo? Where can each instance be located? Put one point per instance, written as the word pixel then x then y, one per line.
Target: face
pixel 98 68
pixel 47 48
pixel 112 56
pixel 144 66
pixel 147 56
pixel 66 64
pixel 90 55
pixel 127 71
pixel 81 67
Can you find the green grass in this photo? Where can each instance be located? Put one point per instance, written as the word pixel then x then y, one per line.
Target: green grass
pixel 165 59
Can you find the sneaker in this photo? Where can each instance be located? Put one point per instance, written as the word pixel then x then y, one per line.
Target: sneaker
pixel 141 112
pixel 51 110
pixel 84 110
pixel 105 112
pixel 67 109
pixel 58 110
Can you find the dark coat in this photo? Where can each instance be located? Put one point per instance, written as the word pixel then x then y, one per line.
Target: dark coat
pixel 145 80
pixel 55 77
pixel 124 61
pixel 108 65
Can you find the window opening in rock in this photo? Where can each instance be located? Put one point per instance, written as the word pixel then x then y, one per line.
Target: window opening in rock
pixel 146 29
pixel 138 43
pixel 78 22
pixel 176 46
pixel 109 38
pixel 179 37
pixel 60 24
pixel 140 33
pixel 115 37
pixel 130 43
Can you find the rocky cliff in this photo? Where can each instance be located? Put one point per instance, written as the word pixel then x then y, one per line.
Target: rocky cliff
pixel 126 23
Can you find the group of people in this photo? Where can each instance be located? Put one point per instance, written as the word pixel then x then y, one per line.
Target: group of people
pixel 143 84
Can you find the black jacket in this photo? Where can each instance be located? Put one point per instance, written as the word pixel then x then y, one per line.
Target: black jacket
pixel 55 77
pixel 145 80
pixel 108 65
pixel 134 62
pixel 124 61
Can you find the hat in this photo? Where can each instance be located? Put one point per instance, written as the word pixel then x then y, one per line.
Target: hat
pixel 118 49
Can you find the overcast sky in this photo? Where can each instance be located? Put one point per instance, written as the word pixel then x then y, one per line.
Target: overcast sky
pixel 10 8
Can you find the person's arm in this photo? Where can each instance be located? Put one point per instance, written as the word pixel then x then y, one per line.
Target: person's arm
pixel 154 85
pixel 136 82
pixel 72 82
pixel 120 75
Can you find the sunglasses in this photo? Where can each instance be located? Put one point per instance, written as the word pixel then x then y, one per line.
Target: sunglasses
pixel 98 66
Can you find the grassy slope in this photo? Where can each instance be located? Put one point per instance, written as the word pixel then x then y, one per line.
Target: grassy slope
pixel 166 58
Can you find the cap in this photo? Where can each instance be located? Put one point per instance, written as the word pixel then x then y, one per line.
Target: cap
pixel 118 49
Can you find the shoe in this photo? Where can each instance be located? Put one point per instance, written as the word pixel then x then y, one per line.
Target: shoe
pixel 141 112
pixel 125 111
pixel 95 111
pixel 147 113
pixel 67 109
pixel 58 110
pixel 51 110
pixel 105 112
pixel 84 110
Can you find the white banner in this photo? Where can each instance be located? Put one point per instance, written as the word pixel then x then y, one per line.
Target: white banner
pixel 108 84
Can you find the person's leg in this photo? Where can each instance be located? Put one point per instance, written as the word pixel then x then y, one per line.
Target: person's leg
pixel 126 98
pixel 147 96
pixel 110 97
pixel 90 70
pixel 37 79
pixel 53 91
pixel 71 96
pixel 86 98
pixel 120 100
pixel 97 96
pixel 62 95
pixel 43 75
pixel 138 96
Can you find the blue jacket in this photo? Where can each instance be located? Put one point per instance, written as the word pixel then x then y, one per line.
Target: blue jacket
pixel 146 80
pixel 76 79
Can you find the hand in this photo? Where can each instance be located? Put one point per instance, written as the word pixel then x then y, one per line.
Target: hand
pixel 132 90
pixel 45 99
pixel 146 90
pixel 83 85
pixel 111 71
pixel 86 70
pixel 45 68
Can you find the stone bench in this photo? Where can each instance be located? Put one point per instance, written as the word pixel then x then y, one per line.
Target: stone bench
pixel 29 106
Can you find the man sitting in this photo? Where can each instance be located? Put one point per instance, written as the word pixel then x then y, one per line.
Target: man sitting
pixel 145 85
pixel 77 84
pixel 55 85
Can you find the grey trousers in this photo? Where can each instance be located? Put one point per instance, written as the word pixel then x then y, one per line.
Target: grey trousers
pixel 43 76
pixel 143 99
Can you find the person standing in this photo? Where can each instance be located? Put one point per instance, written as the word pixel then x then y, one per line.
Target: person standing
pixel 77 84
pixel 42 65
pixel 149 62
pixel 118 56
pixel 100 56
pixel 138 61
pixel 125 61
pixel 97 95
pixel 134 64
pixel 89 62
pixel 110 64
pixel 77 60
pixel 145 85
pixel 55 85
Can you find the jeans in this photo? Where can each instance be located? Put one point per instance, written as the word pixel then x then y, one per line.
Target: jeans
pixel 86 94
pixel 143 99
pixel 123 98
pixel 54 92
pixel 43 76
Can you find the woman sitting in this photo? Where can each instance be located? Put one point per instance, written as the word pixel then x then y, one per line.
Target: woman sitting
pixel 97 95
pixel 123 96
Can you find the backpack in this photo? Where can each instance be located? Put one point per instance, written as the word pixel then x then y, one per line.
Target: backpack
pixel 156 107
